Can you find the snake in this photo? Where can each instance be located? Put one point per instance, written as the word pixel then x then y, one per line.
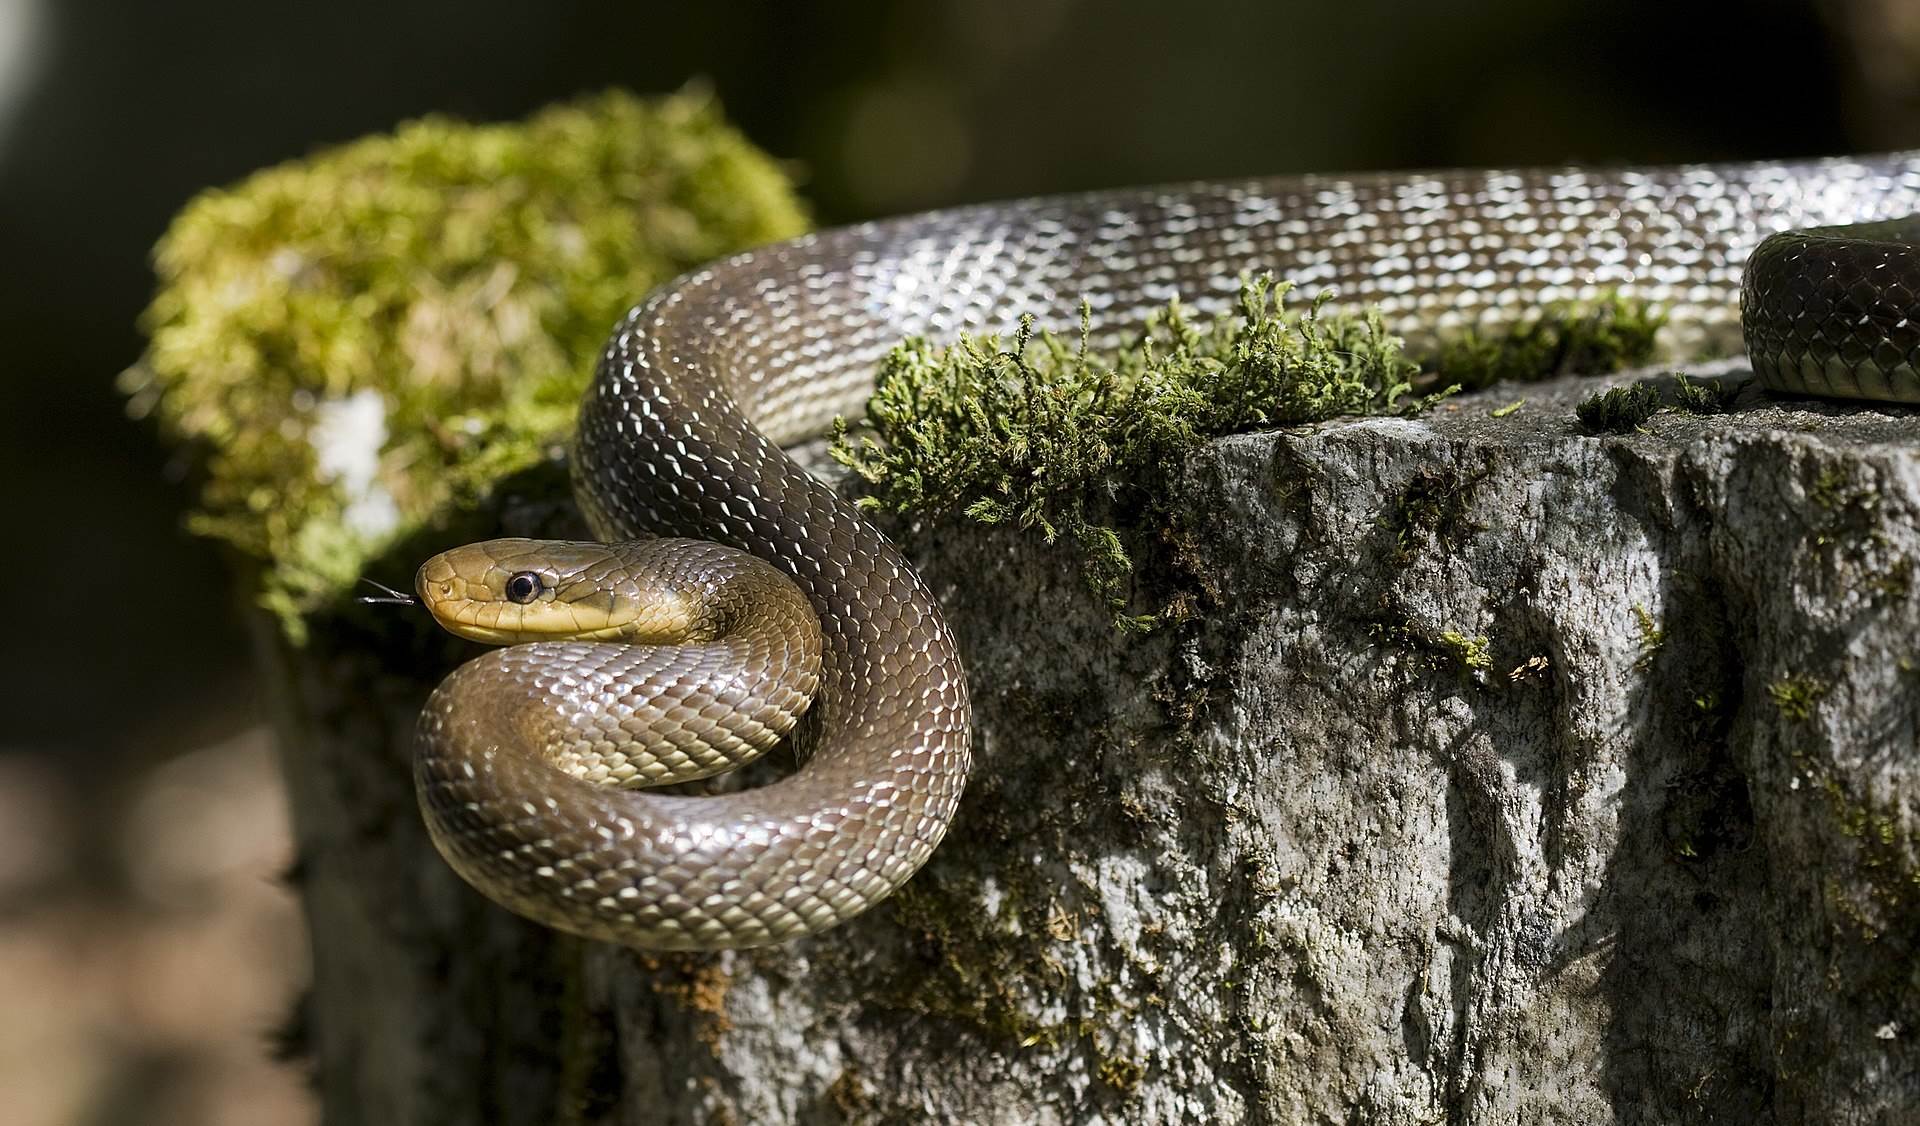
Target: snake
pixel 736 604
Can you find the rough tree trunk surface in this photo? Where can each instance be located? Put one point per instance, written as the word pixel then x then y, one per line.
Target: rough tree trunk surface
pixel 1505 775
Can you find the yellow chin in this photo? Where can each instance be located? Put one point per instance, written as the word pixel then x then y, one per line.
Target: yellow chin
pixel 523 633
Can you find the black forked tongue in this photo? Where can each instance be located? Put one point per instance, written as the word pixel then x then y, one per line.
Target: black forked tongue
pixel 387 596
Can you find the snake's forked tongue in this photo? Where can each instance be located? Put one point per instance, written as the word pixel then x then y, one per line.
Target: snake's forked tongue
pixel 387 596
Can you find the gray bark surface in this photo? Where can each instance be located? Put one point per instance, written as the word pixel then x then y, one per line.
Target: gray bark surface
pixel 1650 853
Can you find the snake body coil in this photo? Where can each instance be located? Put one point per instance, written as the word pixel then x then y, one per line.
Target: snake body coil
pixel 680 435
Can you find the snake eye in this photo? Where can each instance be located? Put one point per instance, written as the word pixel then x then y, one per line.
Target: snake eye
pixel 524 586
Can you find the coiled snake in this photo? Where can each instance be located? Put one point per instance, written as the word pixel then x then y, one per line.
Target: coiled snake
pixel 527 756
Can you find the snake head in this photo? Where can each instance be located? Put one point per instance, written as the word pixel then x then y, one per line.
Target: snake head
pixel 507 591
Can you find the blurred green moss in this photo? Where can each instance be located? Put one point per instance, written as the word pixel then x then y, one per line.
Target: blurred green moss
pixel 351 343
pixel 1562 338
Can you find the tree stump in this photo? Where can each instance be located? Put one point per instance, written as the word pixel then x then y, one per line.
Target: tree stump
pixel 1504 774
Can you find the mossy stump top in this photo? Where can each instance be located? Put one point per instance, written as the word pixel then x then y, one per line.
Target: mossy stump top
pixel 351 344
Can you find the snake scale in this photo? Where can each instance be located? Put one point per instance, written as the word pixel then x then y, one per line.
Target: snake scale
pixel 529 757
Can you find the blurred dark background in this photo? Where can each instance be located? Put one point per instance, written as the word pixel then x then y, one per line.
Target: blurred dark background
pixel 126 658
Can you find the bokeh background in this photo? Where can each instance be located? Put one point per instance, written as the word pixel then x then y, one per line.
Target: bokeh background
pixel 147 953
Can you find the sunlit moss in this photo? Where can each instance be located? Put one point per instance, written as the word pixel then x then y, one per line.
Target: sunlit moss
pixel 1039 433
pixel 1473 653
pixel 1652 636
pixel 349 343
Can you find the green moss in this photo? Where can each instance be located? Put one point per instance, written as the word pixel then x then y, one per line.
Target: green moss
pixel 1651 636
pixel 1796 696
pixel 427 306
pixel 1714 396
pixel 1471 652
pixel 1586 337
pixel 1121 1074
pixel 1621 410
pixel 1883 893
pixel 1894 581
pixel 1830 490
pixel 983 971
pixel 1041 434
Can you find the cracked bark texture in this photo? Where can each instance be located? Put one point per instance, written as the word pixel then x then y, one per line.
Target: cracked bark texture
pixel 1504 775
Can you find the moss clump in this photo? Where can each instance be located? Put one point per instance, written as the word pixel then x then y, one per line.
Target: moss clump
pixel 1713 396
pixel 1833 491
pixel 1041 434
pixel 1473 653
pixel 348 344
pixel 1651 636
pixel 1796 696
pixel 1121 1074
pixel 1587 337
pixel 1621 410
